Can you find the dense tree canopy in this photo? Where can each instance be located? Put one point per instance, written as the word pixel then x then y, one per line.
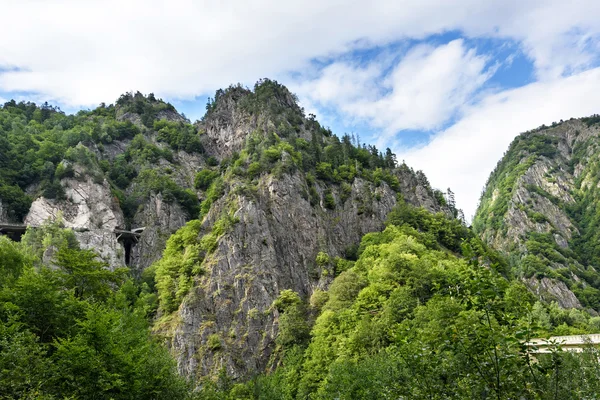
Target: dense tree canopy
pixel 71 328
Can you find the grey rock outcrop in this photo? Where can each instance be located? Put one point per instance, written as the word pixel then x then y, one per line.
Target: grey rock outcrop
pixel 228 125
pixel 90 209
pixel 551 290
pixel 159 219
pixel 272 247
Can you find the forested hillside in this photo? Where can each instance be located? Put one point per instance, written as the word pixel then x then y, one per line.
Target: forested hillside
pixel 268 192
pixel 539 208
pixel 72 328
pixel 287 195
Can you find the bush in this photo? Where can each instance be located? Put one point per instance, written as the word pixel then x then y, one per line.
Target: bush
pixel 214 342
pixel 178 135
pixel 54 190
pixel 151 181
pixel 212 161
pixel 204 178
pixel 15 202
pixel 214 192
pixel 329 200
pixel 254 170
pixel 324 171
pixel 64 171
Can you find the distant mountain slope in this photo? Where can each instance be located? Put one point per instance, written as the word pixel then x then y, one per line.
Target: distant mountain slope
pixel 541 208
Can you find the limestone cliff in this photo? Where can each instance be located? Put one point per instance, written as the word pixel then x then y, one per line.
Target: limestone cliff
pixel 128 173
pixel 89 209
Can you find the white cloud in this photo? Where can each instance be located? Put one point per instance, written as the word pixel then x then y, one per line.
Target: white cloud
pixel 81 53
pixel 422 91
pixel 85 52
pixel 463 156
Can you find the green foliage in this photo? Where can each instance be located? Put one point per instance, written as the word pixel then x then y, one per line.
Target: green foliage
pixel 151 181
pixel 435 228
pixel 204 178
pixel 212 161
pixel 294 328
pixel 142 151
pixel 324 171
pixel 325 157
pixel 179 135
pixel 146 107
pixel 287 299
pixel 328 200
pixel 273 101
pixel 323 259
pixel 13 261
pixel 89 278
pixel 181 261
pixel 77 329
pixel 50 236
pixel 42 145
pixel 592 120
pixel 412 320
pixel 214 342
pixel 214 192
pixel 15 201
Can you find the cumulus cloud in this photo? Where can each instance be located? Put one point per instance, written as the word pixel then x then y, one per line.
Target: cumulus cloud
pixel 81 53
pixel 422 91
pixel 463 156
pixel 85 52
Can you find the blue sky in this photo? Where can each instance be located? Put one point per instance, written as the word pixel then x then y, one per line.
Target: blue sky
pixel 446 85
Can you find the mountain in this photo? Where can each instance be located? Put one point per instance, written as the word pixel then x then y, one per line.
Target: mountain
pixel 290 201
pixel 263 188
pixel 255 255
pixel 539 208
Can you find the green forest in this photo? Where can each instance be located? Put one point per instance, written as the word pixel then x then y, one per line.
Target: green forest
pixel 72 329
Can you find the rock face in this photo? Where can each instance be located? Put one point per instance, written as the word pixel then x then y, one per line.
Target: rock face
pixel 551 290
pixel 228 125
pixel 272 247
pixel 160 219
pixel 537 208
pixel 90 209
pixel 281 222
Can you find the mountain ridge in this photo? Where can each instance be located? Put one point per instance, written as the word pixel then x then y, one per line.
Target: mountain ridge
pixel 532 210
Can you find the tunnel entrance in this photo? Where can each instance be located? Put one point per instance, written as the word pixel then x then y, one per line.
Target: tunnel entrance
pixel 13 231
pixel 128 239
